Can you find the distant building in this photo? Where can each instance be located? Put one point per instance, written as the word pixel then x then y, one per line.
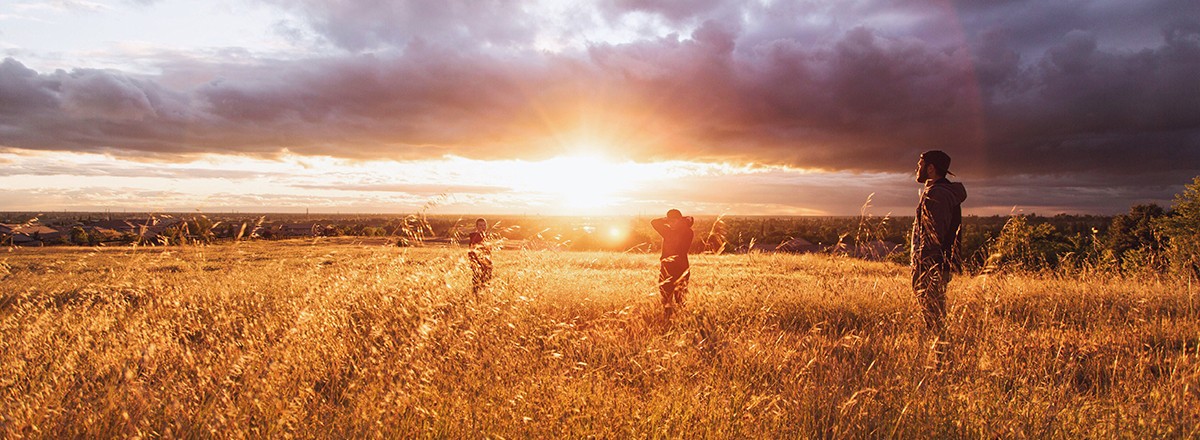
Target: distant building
pixel 29 235
pixel 303 229
pixel 147 230
pixel 122 226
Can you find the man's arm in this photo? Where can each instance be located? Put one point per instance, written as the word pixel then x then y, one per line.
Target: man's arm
pixel 660 225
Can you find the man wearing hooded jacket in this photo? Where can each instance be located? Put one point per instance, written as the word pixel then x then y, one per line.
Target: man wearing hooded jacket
pixel 935 236
pixel 675 271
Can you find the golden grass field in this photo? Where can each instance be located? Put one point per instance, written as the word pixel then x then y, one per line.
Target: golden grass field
pixel 336 339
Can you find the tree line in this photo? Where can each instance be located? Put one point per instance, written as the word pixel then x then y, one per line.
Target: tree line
pixel 1147 239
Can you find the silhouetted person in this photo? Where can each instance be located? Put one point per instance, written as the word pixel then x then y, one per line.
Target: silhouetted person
pixel 673 275
pixel 935 236
pixel 480 256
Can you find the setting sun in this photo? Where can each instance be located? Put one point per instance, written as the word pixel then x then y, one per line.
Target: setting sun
pixel 584 182
pixel 616 233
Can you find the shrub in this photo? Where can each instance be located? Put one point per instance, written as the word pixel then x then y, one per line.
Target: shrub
pixel 1181 230
pixel 1135 231
pixel 1025 246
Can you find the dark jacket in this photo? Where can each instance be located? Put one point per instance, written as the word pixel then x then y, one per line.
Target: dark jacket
pixel 478 244
pixel 676 241
pixel 939 217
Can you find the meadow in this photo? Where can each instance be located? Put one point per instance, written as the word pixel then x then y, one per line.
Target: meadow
pixel 334 339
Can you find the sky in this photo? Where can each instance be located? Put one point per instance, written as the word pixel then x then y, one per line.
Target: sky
pixel 607 107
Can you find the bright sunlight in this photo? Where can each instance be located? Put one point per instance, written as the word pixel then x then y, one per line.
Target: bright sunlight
pixel 585 182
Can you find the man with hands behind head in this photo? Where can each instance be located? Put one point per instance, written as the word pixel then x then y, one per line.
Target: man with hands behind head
pixel 676 231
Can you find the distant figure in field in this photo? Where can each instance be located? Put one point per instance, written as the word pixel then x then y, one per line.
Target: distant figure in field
pixel 676 231
pixel 935 236
pixel 480 256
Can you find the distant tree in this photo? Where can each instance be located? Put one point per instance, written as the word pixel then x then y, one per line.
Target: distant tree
pixel 80 236
pixel 1023 245
pixel 1134 231
pixel 1181 229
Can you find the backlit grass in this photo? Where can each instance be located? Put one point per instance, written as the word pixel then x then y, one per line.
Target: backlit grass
pixel 334 340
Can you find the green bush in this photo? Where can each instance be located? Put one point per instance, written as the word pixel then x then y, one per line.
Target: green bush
pixel 1181 231
pixel 1025 246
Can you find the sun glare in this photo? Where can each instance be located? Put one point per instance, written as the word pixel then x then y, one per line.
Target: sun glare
pixel 583 182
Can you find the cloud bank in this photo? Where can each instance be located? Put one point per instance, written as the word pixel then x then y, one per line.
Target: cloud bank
pixel 1012 89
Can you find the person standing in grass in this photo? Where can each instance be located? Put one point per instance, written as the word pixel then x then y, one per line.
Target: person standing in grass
pixel 673 275
pixel 480 256
pixel 935 236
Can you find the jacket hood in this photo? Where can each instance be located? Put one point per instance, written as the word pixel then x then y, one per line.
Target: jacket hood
pixel 958 192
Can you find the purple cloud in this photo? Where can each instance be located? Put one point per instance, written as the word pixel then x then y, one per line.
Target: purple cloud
pixel 1010 88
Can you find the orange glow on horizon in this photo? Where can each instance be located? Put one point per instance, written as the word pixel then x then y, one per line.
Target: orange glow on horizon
pixel 586 180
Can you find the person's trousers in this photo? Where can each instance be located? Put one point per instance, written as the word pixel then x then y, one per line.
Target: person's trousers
pixel 929 281
pixel 673 283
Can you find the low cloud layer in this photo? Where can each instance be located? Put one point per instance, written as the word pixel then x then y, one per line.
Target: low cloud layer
pixel 1012 89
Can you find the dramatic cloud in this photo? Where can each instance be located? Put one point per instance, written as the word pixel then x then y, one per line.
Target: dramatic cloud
pixel 1013 89
pixel 369 24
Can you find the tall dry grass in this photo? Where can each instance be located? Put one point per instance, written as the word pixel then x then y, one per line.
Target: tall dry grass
pixel 293 339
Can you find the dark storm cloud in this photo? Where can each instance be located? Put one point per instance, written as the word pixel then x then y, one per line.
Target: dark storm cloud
pixel 1034 26
pixel 88 109
pixel 1073 194
pixel 1090 109
pixel 1020 87
pixel 421 104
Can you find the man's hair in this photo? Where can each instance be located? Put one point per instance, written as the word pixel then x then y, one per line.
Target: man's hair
pixel 481 219
pixel 674 213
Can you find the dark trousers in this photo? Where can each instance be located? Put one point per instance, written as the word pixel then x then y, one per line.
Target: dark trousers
pixel 673 283
pixel 929 281
pixel 481 271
